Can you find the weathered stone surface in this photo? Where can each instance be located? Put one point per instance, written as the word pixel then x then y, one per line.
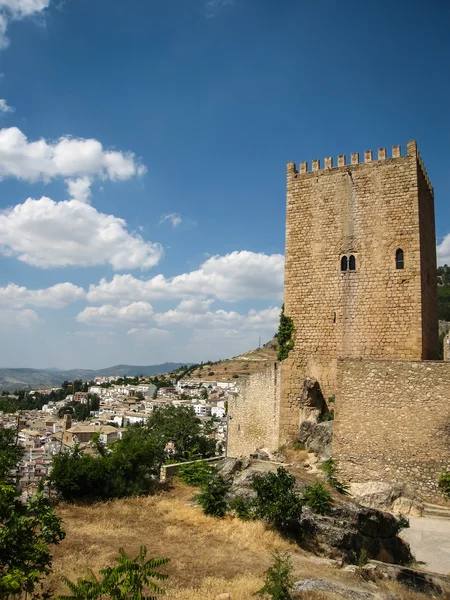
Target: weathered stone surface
pixel 421 581
pixel 398 498
pixel 348 533
pixel 351 532
pixel 338 590
pixel 317 437
pixel 230 466
pixel 392 423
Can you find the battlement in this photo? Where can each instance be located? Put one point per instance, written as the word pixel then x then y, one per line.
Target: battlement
pixel 411 150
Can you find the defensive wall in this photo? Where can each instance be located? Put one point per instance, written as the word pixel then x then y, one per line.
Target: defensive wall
pixel 392 423
pixel 254 412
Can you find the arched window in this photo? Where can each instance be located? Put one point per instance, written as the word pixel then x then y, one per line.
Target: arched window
pixel 352 263
pixel 399 259
pixel 344 263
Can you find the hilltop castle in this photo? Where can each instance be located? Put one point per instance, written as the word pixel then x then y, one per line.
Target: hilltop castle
pixel 360 287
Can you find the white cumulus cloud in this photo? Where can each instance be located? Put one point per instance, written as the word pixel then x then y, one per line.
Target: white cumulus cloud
pixel 78 160
pixel 44 233
pixel 13 319
pixel 15 10
pixel 235 276
pixel 4 106
pixel 136 312
pixel 143 334
pixel 56 296
pixel 186 316
pixel 443 251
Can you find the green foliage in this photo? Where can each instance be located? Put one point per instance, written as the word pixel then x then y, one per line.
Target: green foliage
pixel 81 411
pixel 130 579
pixel 10 452
pixel 211 373
pixel 329 467
pixel 26 530
pixel 318 498
pixel 444 483
pixel 178 424
pixel 131 465
pixel 327 416
pixel 444 301
pixel 243 507
pixel 196 474
pixel 285 335
pixel 278 579
pixel 277 500
pixel 213 497
pixel 402 522
pixel 363 558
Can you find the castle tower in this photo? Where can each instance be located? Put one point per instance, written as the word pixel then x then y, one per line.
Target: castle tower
pixel 360 271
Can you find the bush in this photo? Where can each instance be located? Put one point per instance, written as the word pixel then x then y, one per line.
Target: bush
pixel 235 375
pixel 211 373
pixel 444 483
pixel 278 579
pixel 131 579
pixel 276 499
pixel 243 507
pixel 285 335
pixel 196 474
pixel 402 522
pixel 213 497
pixel 329 467
pixel 318 498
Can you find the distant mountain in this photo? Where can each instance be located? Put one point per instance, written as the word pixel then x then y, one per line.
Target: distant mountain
pixel 20 379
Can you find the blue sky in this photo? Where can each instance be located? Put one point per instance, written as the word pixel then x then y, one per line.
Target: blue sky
pixel 142 159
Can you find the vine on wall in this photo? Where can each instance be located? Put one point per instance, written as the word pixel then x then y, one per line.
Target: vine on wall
pixel 285 335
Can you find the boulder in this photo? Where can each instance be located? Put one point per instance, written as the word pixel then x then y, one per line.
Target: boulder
pixel 329 587
pixel 317 437
pixel 394 497
pixel 353 533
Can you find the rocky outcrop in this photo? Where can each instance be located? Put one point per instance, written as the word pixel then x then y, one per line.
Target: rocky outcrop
pixel 317 437
pixel 397 498
pixel 350 533
pixel 353 533
pixel 311 401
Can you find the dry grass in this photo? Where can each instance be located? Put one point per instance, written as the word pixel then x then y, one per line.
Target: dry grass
pixel 208 556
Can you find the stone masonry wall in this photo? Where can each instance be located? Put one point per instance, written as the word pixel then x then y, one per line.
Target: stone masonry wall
pixel 368 211
pixel 254 413
pixel 392 423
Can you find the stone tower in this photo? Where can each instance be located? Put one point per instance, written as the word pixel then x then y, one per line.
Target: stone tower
pixel 360 273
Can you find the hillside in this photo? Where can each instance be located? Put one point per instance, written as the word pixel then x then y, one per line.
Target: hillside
pixel 250 362
pixel 208 556
pixel 19 379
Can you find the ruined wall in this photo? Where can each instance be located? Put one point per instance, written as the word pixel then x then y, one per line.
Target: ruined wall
pixel 368 211
pixel 392 423
pixel 254 413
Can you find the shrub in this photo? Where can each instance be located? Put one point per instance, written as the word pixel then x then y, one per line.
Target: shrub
pixel 276 499
pixel 285 334
pixel 243 507
pixel 327 416
pixel 444 483
pixel 129 580
pixel 213 497
pixel 211 373
pixel 196 474
pixel 330 469
pixel 235 376
pixel 318 498
pixel 278 579
pixel 402 522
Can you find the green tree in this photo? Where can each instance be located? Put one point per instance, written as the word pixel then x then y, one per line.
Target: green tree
pixel 26 531
pixel 277 500
pixel 130 579
pixel 278 579
pixel 10 453
pixel 213 497
pixel 178 424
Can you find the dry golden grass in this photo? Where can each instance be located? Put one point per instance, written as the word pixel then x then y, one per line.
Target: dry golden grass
pixel 208 556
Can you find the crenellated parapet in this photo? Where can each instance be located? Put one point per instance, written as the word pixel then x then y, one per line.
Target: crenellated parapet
pixel 411 150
